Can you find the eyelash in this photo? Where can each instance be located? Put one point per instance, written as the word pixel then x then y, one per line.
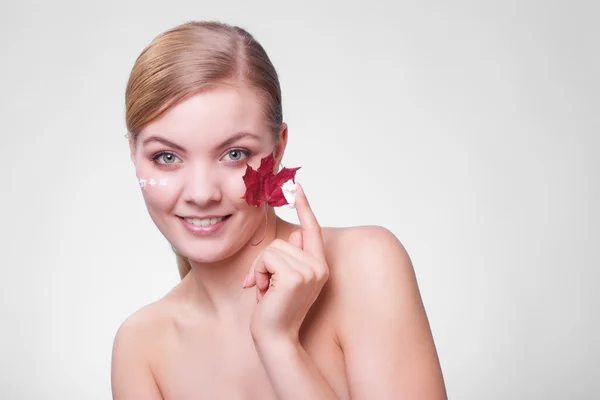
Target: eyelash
pixel 156 156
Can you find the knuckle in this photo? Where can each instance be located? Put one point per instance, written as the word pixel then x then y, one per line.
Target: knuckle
pixel 296 280
pixel 322 274
pixel 277 242
pixel 268 255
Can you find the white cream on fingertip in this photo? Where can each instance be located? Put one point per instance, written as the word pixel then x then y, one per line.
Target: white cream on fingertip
pixel 289 190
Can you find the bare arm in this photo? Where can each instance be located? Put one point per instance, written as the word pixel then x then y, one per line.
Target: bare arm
pixel 131 377
pixel 292 372
pixel 382 325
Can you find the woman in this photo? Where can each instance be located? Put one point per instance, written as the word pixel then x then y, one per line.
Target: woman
pixel 265 309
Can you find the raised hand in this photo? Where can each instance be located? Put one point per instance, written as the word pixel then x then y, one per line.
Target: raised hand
pixel 288 276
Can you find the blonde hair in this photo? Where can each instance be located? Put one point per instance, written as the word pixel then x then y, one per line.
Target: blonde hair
pixel 193 57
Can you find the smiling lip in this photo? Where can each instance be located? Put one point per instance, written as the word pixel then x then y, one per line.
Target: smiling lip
pixel 204 230
pixel 203 217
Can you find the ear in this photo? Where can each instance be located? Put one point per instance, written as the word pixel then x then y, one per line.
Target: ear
pixel 132 149
pixel 280 146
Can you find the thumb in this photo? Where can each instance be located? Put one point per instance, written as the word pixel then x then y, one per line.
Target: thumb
pixel 296 239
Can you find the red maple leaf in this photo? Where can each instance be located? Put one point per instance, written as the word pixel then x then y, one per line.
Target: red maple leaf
pixel 263 186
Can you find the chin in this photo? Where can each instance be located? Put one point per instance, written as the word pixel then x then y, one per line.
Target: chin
pixel 210 252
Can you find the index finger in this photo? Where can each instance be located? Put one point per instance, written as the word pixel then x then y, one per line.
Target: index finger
pixel 311 230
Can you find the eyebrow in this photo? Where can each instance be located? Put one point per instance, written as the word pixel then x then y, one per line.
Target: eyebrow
pixel 231 140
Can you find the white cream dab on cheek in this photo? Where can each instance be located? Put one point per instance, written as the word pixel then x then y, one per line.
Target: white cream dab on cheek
pixel 152 182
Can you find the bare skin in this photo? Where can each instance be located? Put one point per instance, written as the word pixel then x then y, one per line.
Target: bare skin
pixel 198 357
pixel 365 336
pixel 189 355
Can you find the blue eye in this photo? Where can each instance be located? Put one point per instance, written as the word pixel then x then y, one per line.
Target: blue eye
pixel 237 155
pixel 167 158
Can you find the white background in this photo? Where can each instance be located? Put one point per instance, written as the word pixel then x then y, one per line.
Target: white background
pixel 470 129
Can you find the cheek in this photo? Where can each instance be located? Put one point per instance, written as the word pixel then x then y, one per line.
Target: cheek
pixel 159 192
pixel 233 187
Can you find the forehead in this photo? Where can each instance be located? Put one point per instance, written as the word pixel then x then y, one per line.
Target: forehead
pixel 210 116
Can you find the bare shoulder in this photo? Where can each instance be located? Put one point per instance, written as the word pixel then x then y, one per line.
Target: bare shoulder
pixel 141 326
pixel 368 265
pixel 361 250
pixel 134 350
pixel 379 316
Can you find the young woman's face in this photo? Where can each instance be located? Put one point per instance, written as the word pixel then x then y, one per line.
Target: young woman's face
pixel 191 162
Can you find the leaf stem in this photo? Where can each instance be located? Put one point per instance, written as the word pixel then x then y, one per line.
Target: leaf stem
pixel 266 221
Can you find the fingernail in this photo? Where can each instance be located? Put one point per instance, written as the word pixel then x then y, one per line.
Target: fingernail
pixel 245 282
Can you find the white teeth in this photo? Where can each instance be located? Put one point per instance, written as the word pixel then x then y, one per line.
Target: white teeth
pixel 204 222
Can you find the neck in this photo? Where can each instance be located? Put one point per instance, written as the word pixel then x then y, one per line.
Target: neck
pixel 217 287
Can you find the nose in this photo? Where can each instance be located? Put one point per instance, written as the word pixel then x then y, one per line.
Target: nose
pixel 202 186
